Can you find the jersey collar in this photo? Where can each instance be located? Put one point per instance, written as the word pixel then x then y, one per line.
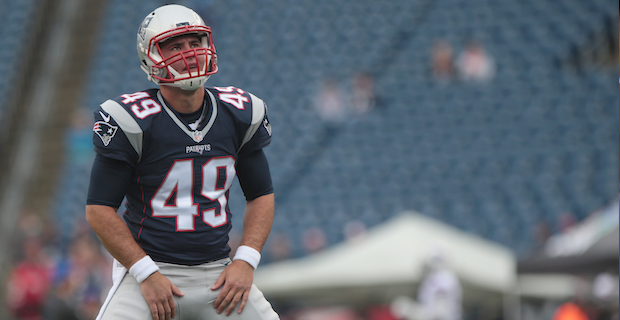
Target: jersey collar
pixel 196 135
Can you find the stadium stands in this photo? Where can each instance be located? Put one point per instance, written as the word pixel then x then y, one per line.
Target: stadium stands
pixel 496 158
pixel 15 24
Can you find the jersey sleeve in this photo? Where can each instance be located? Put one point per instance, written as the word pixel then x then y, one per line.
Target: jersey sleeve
pixel 116 134
pixel 109 181
pixel 258 134
pixel 254 175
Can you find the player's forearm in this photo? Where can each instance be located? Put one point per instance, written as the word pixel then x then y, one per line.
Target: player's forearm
pixel 257 221
pixel 114 234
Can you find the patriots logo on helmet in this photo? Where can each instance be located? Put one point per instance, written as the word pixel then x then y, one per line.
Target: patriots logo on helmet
pixel 143 26
pixel 105 131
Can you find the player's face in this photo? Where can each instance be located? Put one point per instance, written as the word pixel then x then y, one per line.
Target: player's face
pixel 184 44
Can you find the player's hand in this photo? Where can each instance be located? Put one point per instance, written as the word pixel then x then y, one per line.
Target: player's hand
pixel 158 292
pixel 237 281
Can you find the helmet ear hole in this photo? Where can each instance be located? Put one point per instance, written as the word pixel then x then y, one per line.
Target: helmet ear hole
pixel 160 72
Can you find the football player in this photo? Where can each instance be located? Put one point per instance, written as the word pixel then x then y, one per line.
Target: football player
pixel 173 153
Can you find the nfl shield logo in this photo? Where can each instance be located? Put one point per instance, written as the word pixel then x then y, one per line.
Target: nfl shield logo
pixel 197 136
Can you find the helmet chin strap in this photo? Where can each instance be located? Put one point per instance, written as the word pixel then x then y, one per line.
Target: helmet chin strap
pixel 186 84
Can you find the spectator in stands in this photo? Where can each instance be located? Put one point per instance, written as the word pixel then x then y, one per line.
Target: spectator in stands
pixel 443 61
pixel 541 234
pixel 279 246
pixel 362 94
pixel 79 138
pixel 331 103
pixel 354 230
pixel 475 64
pixel 89 274
pixel 29 282
pixel 566 221
pixel 440 292
pixel 80 279
pixel 604 288
pixel 60 304
pixel 578 307
pixel 571 310
pixel 314 240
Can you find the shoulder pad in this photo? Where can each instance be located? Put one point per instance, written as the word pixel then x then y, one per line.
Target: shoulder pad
pixel 258 113
pixel 247 108
pixel 126 122
pixel 240 102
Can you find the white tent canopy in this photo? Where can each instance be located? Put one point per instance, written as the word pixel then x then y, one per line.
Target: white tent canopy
pixel 589 247
pixel 391 255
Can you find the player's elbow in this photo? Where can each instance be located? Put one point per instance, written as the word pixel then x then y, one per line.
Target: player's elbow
pixel 94 213
pixel 91 212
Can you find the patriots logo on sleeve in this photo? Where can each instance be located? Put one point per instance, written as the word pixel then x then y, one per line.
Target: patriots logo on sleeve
pixel 105 131
pixel 267 126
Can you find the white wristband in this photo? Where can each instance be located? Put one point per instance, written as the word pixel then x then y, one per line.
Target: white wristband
pixel 249 255
pixel 143 268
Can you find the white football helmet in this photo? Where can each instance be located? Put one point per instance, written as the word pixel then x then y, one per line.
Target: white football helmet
pixel 167 22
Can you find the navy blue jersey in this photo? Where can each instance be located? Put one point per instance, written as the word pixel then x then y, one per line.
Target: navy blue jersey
pixel 177 200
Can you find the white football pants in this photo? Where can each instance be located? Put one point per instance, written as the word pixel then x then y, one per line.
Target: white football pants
pixel 127 303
